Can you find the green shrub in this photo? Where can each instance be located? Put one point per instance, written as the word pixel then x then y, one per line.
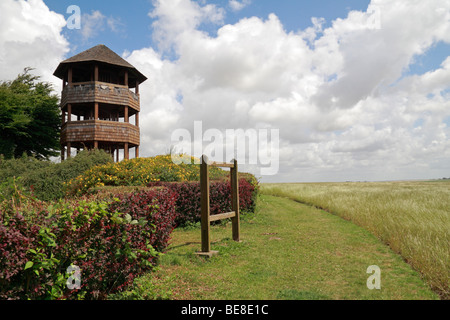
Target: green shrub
pixel 139 172
pixel 111 242
pixel 45 179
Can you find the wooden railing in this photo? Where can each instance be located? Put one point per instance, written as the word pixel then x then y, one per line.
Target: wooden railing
pixel 103 92
pixel 206 217
pixel 99 130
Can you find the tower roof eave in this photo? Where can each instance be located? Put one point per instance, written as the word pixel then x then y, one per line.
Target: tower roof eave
pixel 99 53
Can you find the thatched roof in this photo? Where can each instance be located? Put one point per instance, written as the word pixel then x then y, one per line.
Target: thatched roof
pixel 99 53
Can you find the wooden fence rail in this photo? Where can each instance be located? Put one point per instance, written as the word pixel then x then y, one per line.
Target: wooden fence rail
pixel 206 218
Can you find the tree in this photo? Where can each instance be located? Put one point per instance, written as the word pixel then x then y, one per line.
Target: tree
pixel 29 118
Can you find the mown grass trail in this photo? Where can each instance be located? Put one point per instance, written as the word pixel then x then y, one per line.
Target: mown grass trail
pixel 412 217
pixel 289 251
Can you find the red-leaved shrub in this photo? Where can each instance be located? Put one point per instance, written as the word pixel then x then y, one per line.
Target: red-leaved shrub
pixel 188 200
pixel 111 242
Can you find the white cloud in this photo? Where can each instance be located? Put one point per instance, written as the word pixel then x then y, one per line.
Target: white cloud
pixel 30 36
pixel 339 95
pixel 236 5
pixel 177 17
pixel 92 24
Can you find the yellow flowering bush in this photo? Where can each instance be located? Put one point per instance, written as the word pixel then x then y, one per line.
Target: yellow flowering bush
pixel 139 172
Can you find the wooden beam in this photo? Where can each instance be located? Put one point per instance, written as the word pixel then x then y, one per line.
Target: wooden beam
pixel 96 73
pixel 69 112
pixel 221 216
pixel 205 218
pixel 63 116
pixel 68 150
pixel 235 201
pixel 136 152
pixel 221 165
pixel 70 76
pixel 126 152
pixel 95 111
pixel 126 114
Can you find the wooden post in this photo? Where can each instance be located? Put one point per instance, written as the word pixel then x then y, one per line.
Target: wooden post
pixel 235 200
pixel 62 153
pixel 96 111
pixel 205 220
pixel 126 78
pixel 136 119
pixel 70 76
pixel 126 152
pixel 63 116
pixel 68 149
pixel 96 73
pixel 126 114
pixel 136 152
pixel 69 112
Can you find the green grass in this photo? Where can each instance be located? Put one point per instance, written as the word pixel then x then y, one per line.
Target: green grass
pixel 413 218
pixel 289 251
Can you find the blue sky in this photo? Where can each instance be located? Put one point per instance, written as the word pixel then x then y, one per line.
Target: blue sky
pixel 358 89
pixel 135 24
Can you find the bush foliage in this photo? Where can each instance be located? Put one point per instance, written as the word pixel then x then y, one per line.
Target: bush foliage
pixel 112 242
pixel 139 172
pixel 45 179
pixel 113 237
pixel 188 200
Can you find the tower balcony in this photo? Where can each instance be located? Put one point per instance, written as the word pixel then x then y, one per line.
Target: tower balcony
pixel 101 92
pixel 77 132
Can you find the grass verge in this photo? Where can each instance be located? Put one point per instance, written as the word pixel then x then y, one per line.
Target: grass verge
pixel 289 251
pixel 413 218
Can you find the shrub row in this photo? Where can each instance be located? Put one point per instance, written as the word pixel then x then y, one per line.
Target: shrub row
pixel 112 242
pixel 112 239
pixel 45 179
pixel 138 172
pixel 188 204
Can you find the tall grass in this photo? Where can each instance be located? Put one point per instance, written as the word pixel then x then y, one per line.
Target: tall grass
pixel 413 218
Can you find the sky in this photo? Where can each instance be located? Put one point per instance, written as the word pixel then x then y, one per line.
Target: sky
pixel 358 90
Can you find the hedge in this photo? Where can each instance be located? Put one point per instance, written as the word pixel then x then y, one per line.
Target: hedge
pixel 112 239
pixel 188 200
pixel 111 242
pixel 46 180
pixel 138 172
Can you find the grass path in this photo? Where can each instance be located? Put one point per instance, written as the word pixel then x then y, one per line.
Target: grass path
pixel 289 251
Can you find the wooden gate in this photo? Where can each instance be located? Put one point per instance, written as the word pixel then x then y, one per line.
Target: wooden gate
pixel 206 218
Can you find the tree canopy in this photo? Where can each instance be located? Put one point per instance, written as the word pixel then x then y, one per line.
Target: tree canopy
pixel 29 118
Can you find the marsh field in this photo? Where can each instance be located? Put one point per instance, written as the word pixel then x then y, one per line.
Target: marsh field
pixel 411 217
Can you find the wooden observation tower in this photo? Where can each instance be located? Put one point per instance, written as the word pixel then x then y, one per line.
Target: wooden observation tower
pixel 99 109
